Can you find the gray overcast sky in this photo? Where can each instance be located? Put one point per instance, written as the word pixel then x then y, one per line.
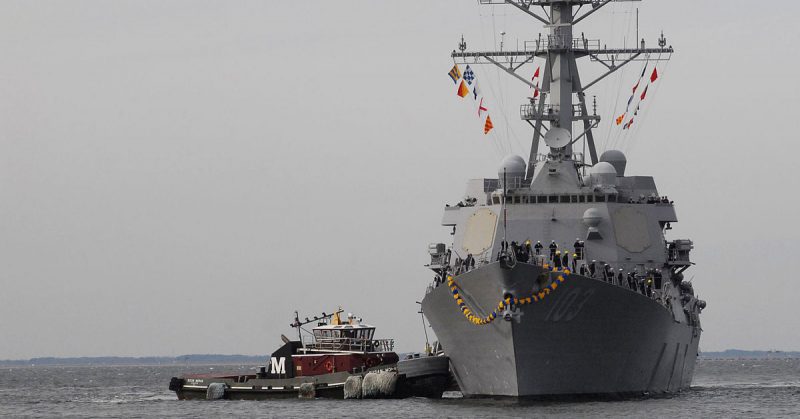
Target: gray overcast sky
pixel 179 177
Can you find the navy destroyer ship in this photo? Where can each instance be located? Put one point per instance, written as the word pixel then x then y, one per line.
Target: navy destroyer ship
pixel 561 279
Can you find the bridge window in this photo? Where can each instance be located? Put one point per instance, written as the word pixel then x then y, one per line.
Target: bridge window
pixel 581 198
pixel 541 199
pixel 564 199
pixel 553 199
pixel 599 198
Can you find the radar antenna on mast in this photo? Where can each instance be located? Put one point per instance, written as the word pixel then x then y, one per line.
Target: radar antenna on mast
pixel 562 95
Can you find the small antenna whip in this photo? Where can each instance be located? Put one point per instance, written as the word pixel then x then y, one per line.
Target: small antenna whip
pixel 505 210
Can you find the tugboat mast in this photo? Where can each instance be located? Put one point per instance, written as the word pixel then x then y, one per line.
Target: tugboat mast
pixel 562 97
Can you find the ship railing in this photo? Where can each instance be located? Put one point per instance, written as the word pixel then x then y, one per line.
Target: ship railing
pixel 678 252
pixel 561 42
pixel 529 111
pixel 550 112
pixel 352 344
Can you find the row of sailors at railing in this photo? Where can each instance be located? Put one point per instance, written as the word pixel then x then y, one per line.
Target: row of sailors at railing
pixel 525 252
pixel 528 253
pixel 651 199
pixel 646 283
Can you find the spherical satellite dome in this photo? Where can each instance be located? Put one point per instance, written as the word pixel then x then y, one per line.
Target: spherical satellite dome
pixel 617 159
pixel 592 217
pixel 603 173
pixel 513 166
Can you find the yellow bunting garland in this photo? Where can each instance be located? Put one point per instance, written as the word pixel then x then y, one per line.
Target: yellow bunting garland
pixel 536 297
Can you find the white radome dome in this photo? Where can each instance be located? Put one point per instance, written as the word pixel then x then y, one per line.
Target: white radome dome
pixel 512 165
pixel 513 169
pixel 592 217
pixel 617 159
pixel 603 174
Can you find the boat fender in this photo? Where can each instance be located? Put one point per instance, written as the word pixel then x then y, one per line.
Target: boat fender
pixel 379 384
pixel 352 387
pixel 307 391
pixel 175 384
pixel 216 391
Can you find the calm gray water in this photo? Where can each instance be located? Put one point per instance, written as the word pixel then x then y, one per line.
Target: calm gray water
pixel 722 388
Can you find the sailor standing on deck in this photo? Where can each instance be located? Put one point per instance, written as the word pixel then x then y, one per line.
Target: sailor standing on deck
pixel 565 260
pixel 553 249
pixel 538 247
pixel 574 262
pixel 578 245
pixel 557 259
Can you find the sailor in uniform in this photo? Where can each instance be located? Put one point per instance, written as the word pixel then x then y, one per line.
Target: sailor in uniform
pixel 557 259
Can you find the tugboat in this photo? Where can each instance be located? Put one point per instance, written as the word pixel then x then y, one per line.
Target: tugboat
pixel 339 353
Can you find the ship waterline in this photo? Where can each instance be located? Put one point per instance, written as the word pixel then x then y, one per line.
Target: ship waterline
pixel 587 337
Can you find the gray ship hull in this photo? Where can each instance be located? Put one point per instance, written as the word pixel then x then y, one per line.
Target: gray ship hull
pixel 587 337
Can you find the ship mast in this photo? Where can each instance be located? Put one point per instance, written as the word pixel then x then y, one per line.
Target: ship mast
pixel 562 96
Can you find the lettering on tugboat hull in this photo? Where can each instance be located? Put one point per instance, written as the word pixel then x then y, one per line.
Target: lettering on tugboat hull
pixel 278 365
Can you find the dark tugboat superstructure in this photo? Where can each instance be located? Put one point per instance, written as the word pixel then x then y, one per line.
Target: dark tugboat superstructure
pixel 518 317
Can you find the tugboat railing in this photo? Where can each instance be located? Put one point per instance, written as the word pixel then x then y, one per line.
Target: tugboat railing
pixel 338 344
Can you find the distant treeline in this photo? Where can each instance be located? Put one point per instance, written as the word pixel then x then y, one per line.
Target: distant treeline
pixel 262 359
pixel 148 360
pixel 742 354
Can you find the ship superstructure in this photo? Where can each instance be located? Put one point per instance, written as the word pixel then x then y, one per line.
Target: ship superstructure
pixel 561 279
